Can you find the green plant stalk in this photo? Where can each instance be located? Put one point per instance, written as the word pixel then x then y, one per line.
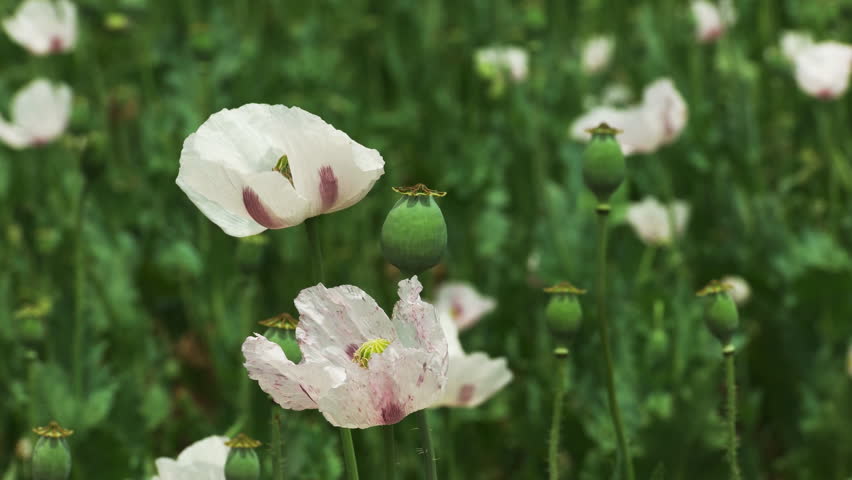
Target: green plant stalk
pixel 732 412
pixel 429 460
pixel 559 394
pixel 79 291
pixel 277 451
pixel 315 247
pixel 603 214
pixel 390 452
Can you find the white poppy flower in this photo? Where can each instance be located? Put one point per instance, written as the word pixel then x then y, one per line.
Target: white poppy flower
pixel 270 166
pixel 497 60
pixel 740 290
pixel 794 43
pixel 462 303
pixel 646 127
pixel 711 20
pixel 597 53
pixel 471 378
pixel 359 368
pixel 822 69
pixel 652 220
pixel 40 113
pixel 203 460
pixel 44 26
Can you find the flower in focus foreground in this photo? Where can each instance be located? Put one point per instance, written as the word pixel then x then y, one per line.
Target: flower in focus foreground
pixel 712 20
pixel 359 368
pixel 43 26
pixel 597 52
pixel 739 290
pixel 40 113
pixel 652 220
pixel 646 127
pixel 463 304
pixel 270 166
pixel 203 460
pixel 821 69
pixel 471 378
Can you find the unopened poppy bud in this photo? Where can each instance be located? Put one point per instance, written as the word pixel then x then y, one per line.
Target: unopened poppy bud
pixel 564 313
pixel 242 462
pixel 51 456
pixel 720 311
pixel 604 167
pixel 281 329
pixel 414 235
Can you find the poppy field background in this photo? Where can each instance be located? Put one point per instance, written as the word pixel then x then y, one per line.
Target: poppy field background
pixel 122 314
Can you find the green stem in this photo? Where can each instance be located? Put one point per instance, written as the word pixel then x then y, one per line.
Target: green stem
pixel 390 453
pixel 732 412
pixel 79 292
pixel 559 394
pixel 429 460
pixel 349 454
pixel 603 214
pixel 277 451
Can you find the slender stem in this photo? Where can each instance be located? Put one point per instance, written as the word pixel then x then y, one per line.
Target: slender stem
pixel 277 451
pixel 732 412
pixel 349 454
pixel 603 214
pixel 559 393
pixel 79 292
pixel 429 460
pixel 315 247
pixel 390 452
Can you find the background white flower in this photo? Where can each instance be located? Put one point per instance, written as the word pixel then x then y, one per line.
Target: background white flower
pixel 794 43
pixel 652 220
pixel 44 26
pixel 822 69
pixel 462 303
pixel 271 166
pixel 740 289
pixel 407 374
pixel 496 60
pixel 40 113
pixel 597 53
pixel 712 20
pixel 203 460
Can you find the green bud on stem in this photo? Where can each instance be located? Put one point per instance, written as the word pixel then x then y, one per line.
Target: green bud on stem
pixel 414 235
pixel 51 456
pixel 720 311
pixel 604 168
pixel 563 313
pixel 242 462
pixel 282 330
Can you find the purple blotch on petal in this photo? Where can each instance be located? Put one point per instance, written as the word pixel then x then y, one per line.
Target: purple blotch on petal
pixel 392 413
pixel 351 349
pixel 258 211
pixel 466 393
pixel 328 187
pixel 56 45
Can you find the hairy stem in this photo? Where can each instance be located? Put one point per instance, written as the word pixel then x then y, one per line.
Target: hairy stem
pixel 558 395
pixel 429 460
pixel 732 412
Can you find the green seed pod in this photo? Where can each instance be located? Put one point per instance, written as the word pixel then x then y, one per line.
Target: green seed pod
pixel 658 343
pixel 282 330
pixel 564 313
pixel 242 462
pixel 604 167
pixel 720 311
pixel 414 235
pixel 51 456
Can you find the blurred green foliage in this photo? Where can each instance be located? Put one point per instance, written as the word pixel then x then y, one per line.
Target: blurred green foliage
pixel 122 309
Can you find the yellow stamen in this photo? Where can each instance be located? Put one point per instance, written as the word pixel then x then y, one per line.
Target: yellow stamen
pixel 283 167
pixel 370 347
pixel 242 441
pixel 53 430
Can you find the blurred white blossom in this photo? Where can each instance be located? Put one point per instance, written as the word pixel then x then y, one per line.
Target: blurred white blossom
pixel 464 305
pixel 616 94
pixel 40 113
pixel 821 69
pixel 597 53
pixel 711 20
pixel 653 221
pixel 740 290
pixel 270 166
pixel 498 61
pixel 203 460
pixel 43 26
pixel 646 127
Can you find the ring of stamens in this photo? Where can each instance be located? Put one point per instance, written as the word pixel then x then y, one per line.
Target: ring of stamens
pixel 284 321
pixel 53 430
pixel 603 129
pixel 368 349
pixel 418 190
pixel 714 287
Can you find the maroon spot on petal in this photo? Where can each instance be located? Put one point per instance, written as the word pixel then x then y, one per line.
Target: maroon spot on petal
pixel 825 94
pixel 457 309
pixel 328 187
pixel 392 413
pixel 466 393
pixel 306 393
pixel 258 211
pixel 351 349
pixel 56 45
pixel 38 142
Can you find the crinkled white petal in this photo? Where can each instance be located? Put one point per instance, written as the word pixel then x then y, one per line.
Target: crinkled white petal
pixel 651 221
pixel 293 386
pixel 473 379
pixel 641 132
pixel 462 303
pixel 451 333
pixel 416 321
pixel 667 109
pixel 334 322
pixel 44 27
pixel 397 382
pixel 40 112
pixel 822 70
pixel 597 53
pixel 13 135
pixel 203 460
